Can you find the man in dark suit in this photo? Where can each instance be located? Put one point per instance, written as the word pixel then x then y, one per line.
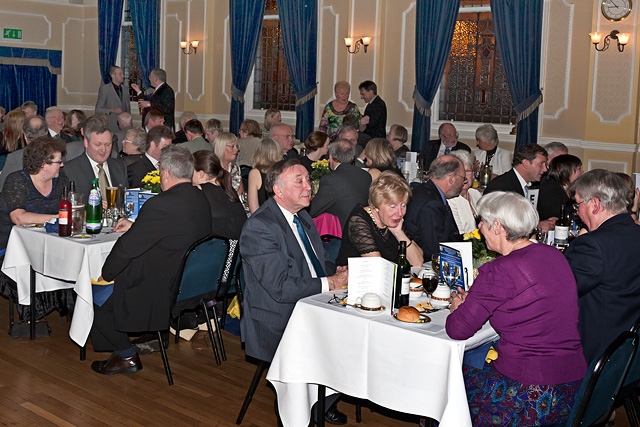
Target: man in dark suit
pixel 342 189
pixel 113 98
pixel 447 142
pixel 429 219
pixel 374 121
pixel 605 261
pixel 280 264
pixel 96 162
pixel 162 98
pixel 529 163
pixel 283 135
pixel 145 261
pixel 125 124
pixel 157 138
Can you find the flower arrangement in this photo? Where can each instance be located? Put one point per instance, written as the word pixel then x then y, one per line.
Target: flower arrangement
pixel 481 254
pixel 319 169
pixel 151 182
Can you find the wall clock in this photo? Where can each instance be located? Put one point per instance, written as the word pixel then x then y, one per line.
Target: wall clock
pixel 616 10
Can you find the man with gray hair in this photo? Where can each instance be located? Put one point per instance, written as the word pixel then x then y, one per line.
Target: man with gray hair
pixel 33 127
pixel 124 124
pixel 429 219
pixel 162 98
pixel 605 260
pixel 144 262
pixel 555 149
pixel 489 152
pixel 181 136
pixel 55 120
pixel 344 187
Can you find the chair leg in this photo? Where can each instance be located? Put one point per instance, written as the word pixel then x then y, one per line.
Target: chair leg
pixel 165 360
pixel 178 328
pixel 11 318
pixel 211 337
pixel 632 408
pixel 320 409
pixel 358 411
pixel 83 352
pixel 219 332
pixel 262 365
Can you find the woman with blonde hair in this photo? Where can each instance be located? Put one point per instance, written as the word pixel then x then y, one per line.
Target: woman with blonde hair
pixel 380 157
pixel 266 155
pixel 335 111
pixel 226 148
pixel 12 134
pixel 271 117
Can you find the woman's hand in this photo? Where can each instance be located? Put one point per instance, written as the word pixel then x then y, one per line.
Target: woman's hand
pixel 122 226
pixel 457 298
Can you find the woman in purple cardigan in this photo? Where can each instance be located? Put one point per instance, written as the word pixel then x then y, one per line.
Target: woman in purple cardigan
pixel 531 297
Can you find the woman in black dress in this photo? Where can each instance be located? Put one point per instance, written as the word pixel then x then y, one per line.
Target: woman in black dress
pixel 375 230
pixel 554 190
pixel 317 145
pixel 31 196
pixel 227 213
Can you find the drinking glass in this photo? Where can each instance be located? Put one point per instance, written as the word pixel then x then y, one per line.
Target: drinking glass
pixel 430 282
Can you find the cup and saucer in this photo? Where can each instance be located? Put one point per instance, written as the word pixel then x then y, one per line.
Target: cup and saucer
pixel 441 297
pixel 370 304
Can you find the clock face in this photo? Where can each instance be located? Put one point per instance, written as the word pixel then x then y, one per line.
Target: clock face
pixel 616 10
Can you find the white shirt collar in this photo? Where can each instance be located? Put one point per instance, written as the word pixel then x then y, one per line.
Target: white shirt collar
pixel 522 181
pixel 94 167
pixel 153 161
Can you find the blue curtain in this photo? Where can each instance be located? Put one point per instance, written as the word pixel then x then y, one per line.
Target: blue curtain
pixel 435 22
pixel 145 18
pixel 299 24
pixel 27 83
pixel 109 23
pixel 518 27
pixel 246 26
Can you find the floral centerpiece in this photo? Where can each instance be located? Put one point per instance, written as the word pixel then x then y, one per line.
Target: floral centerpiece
pixel 151 182
pixel 481 254
pixel 319 169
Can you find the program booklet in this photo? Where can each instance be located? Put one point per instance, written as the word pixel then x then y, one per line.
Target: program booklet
pixel 372 274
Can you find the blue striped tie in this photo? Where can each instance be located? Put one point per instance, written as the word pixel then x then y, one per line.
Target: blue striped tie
pixel 307 246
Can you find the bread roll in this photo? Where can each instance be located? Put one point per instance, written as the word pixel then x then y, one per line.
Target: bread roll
pixel 408 314
pixel 416 282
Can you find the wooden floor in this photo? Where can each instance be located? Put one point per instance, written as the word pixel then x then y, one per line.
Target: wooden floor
pixel 43 383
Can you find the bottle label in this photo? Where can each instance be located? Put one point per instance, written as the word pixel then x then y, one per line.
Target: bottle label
pixel 63 217
pixel 405 288
pixel 561 233
pixel 95 198
pixel 94 226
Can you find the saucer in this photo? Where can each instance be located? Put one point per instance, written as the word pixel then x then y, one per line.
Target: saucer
pixel 369 311
pixel 422 320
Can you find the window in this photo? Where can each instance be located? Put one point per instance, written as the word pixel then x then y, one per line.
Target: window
pixel 271 83
pixel 474 86
pixel 128 58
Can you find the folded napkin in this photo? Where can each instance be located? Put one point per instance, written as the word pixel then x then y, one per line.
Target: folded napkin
pixel 102 290
pixel 51 226
pixel 477 357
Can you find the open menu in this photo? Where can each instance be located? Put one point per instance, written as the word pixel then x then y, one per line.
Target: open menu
pixel 372 274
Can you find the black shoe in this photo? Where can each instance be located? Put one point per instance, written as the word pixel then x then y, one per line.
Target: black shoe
pixel 335 417
pixel 117 365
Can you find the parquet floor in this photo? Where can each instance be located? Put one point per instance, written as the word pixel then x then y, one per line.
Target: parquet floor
pixel 43 383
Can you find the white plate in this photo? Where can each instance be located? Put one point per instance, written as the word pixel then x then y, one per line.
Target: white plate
pixel 369 312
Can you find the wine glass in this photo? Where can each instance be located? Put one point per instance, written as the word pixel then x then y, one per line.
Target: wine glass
pixel 429 282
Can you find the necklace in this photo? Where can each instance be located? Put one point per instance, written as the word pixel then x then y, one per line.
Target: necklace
pixel 382 230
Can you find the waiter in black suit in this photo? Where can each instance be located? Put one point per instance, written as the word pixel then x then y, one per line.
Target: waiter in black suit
pixel 429 219
pixel 447 142
pixel 605 261
pixel 145 261
pixel 162 98
pixel 96 161
pixel 374 121
pixel 157 138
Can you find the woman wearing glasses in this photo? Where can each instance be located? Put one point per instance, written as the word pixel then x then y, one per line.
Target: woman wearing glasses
pixel 31 196
pixel 463 207
pixel 226 148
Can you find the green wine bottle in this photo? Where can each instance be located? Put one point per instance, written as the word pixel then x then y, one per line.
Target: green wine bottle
pixel 94 209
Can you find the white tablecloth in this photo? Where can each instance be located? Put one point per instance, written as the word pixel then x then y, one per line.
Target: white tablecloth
pixel 60 263
pixel 409 368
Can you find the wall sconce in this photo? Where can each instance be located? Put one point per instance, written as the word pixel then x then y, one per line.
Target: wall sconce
pixel 364 41
pixel 192 47
pixel 622 39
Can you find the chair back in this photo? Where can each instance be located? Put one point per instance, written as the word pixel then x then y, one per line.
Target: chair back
pixel 204 266
pixel 594 401
pixel 633 377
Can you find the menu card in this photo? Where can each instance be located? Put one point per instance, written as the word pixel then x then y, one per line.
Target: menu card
pixel 457 255
pixel 372 274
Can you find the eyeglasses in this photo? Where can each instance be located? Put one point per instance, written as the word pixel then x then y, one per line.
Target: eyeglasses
pixel 576 206
pixel 126 141
pixel 342 300
pixel 464 178
pixel 232 146
pixel 57 162
pixel 285 136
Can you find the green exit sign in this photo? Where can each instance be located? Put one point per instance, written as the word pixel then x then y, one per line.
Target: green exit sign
pixel 12 33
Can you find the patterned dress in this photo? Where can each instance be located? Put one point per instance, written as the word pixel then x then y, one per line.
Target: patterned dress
pixel 331 120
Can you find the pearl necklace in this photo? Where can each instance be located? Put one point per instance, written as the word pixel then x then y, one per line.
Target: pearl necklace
pixel 382 230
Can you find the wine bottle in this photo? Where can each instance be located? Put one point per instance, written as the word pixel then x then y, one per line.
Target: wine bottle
pixel 561 233
pixel 403 278
pixel 94 209
pixel 64 214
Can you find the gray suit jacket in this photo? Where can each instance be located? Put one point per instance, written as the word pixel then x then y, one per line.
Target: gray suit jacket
pixel 12 164
pixel 196 144
pixel 79 170
pixel 108 99
pixel 74 149
pixel 276 276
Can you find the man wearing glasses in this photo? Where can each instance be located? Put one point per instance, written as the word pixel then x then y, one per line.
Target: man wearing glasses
pixel 283 135
pixel 605 260
pixel 429 219
pixel 447 142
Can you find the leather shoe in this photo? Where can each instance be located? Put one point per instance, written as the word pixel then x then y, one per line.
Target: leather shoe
pixel 117 365
pixel 335 417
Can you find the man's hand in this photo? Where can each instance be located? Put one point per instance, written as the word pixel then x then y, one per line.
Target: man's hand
pixel 364 120
pixel 116 110
pixel 548 224
pixel 122 226
pixel 136 87
pixel 144 104
pixel 339 280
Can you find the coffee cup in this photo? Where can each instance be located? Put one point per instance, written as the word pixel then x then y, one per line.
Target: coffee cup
pixel 370 300
pixel 441 297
